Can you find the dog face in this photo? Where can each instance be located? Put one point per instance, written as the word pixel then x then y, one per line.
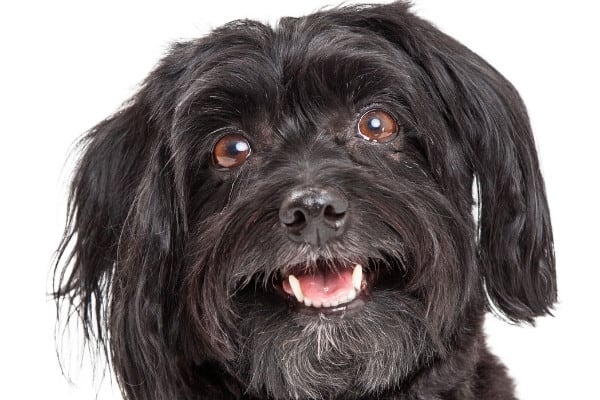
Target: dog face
pixel 292 207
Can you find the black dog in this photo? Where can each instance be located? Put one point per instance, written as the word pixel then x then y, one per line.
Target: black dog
pixel 286 213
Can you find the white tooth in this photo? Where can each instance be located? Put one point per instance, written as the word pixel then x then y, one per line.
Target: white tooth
pixel 357 277
pixel 335 303
pixel 316 304
pixel 307 302
pixel 351 296
pixel 295 285
pixel 326 304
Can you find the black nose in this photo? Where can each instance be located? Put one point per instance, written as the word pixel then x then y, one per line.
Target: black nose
pixel 314 215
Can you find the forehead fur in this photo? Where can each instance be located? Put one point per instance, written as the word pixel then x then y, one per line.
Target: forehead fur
pixel 249 74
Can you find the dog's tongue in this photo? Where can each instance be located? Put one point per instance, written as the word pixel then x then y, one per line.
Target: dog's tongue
pixel 324 286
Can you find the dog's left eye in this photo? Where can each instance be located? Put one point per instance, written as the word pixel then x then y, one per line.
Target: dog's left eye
pixel 231 151
pixel 377 126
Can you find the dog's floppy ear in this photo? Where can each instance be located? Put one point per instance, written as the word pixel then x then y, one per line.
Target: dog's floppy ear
pixel 102 192
pixel 490 138
pixel 125 219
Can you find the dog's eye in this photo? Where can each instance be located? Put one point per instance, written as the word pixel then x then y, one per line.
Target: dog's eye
pixel 377 126
pixel 231 151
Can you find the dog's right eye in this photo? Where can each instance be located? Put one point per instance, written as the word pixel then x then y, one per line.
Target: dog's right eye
pixel 377 126
pixel 231 151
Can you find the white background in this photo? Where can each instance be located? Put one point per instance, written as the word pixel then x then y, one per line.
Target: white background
pixel 66 65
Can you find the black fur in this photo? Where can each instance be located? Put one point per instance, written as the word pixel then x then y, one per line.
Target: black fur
pixel 171 264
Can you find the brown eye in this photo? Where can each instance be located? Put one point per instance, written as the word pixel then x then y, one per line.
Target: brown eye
pixel 377 126
pixel 231 151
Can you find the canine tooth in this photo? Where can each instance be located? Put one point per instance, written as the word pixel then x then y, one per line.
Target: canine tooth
pixel 357 277
pixel 351 296
pixel 295 285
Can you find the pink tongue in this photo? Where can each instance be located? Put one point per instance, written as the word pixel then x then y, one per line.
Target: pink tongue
pixel 324 286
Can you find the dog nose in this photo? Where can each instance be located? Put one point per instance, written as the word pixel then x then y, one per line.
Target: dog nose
pixel 314 215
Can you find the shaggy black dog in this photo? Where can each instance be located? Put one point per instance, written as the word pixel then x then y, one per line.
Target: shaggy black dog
pixel 287 213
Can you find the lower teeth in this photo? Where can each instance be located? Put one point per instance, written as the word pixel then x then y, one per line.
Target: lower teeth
pixel 351 296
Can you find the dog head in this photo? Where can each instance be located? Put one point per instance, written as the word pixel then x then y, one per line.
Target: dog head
pixel 293 207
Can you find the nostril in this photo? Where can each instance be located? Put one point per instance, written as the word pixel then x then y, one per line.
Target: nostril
pixel 297 221
pixel 331 214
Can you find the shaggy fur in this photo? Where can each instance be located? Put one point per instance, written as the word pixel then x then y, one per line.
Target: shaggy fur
pixel 173 264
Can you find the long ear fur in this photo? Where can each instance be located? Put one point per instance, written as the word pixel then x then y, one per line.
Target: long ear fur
pixel 123 235
pixel 490 137
pixel 101 197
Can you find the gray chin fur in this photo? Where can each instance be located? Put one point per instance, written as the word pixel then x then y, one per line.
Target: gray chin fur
pixel 294 356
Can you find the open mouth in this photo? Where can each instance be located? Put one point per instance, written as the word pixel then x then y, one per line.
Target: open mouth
pixel 327 288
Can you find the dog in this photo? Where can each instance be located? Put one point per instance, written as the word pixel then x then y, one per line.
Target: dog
pixel 325 209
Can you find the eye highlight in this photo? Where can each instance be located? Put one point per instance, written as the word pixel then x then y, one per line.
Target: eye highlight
pixel 231 151
pixel 377 126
